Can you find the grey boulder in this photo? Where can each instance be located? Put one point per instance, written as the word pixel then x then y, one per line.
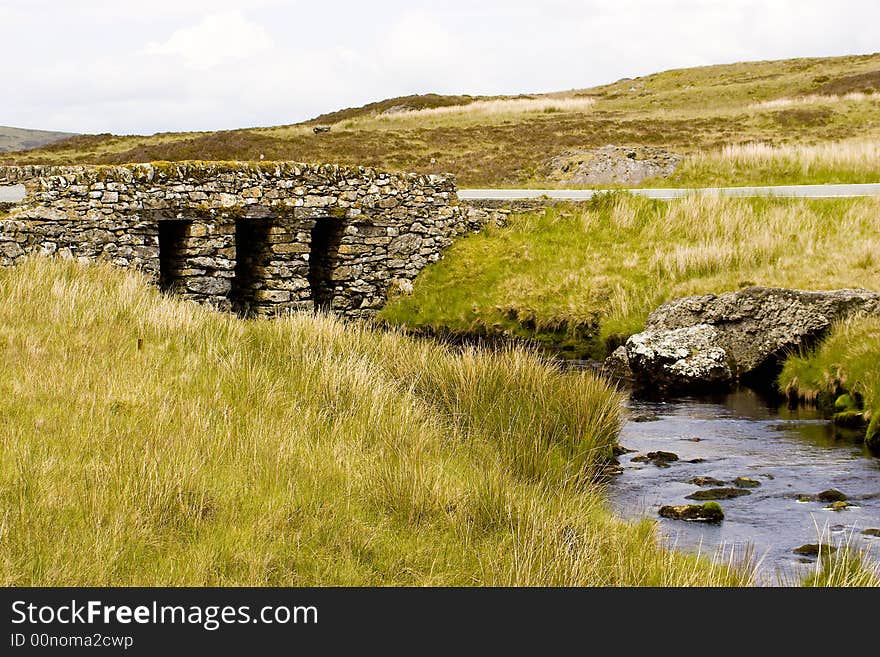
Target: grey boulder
pixel 716 340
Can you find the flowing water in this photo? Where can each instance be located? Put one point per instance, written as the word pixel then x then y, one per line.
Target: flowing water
pixel 790 452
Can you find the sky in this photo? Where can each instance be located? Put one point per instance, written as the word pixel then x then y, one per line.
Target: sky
pixel 175 65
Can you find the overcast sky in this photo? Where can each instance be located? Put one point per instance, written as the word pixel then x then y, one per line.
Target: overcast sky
pixel 158 65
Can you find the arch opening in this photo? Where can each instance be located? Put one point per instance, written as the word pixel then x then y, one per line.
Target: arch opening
pixel 172 256
pixel 251 255
pixel 324 257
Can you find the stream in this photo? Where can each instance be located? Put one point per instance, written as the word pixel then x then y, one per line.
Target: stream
pixel 789 452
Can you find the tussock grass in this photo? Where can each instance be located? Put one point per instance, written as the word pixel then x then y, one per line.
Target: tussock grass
pixel 589 274
pixel 759 163
pixel 848 566
pixel 298 451
pixel 501 106
pixel 847 360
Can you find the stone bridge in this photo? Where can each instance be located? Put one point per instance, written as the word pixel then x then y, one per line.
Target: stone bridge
pixel 255 238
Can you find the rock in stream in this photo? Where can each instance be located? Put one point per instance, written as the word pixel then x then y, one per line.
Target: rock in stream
pixel 713 341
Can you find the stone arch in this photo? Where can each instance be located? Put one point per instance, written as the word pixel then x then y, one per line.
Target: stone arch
pixel 325 259
pixel 172 236
pixel 265 237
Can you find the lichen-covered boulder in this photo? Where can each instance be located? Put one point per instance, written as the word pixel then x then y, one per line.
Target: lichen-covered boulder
pixel 616 366
pixel 715 340
pixel 679 358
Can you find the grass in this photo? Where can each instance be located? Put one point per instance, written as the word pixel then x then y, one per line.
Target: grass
pixel 511 106
pixel 508 141
pixel 756 163
pixel 846 361
pixel 813 99
pixel 584 277
pixel 846 568
pixel 145 440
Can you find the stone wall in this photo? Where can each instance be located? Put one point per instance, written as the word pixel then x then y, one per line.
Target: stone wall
pixel 254 237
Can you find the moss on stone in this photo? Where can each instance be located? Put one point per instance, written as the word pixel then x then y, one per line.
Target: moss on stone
pixel 846 402
pixel 849 419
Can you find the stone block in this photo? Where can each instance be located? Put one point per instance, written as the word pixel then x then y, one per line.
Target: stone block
pixel 274 296
pixel 209 285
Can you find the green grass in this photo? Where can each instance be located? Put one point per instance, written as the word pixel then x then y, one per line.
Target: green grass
pixel 694 112
pixel 586 276
pixel 847 361
pixel 846 568
pixel 145 440
pixel 851 161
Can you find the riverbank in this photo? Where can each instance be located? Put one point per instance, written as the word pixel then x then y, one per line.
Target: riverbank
pixel 581 278
pixel 842 376
pixel 170 445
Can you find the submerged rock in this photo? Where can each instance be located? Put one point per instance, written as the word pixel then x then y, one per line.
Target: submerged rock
pixel 831 495
pixel 706 481
pixel 814 549
pixel 661 459
pixel 746 482
pixel 716 340
pixel 849 420
pixel 717 494
pixel 838 506
pixel 708 512
pixel 610 470
pixel 871 531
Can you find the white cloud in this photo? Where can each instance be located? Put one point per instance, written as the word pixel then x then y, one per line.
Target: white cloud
pixel 127 67
pixel 216 38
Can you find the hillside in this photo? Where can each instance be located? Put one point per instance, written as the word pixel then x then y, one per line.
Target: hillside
pixel 21 139
pixel 510 141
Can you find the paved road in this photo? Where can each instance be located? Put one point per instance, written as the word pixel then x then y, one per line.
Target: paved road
pixel 788 191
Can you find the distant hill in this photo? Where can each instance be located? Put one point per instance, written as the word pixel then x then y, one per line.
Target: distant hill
pixel 22 139
pixel 542 139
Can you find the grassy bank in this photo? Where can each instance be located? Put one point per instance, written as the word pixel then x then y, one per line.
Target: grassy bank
pixel 851 161
pixel 148 441
pixel 845 370
pixel 586 276
pixel 510 141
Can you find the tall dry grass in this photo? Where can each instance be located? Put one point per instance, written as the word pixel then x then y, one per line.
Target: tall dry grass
pixel 494 107
pixel 853 153
pixel 816 99
pixel 296 451
pixel 760 163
